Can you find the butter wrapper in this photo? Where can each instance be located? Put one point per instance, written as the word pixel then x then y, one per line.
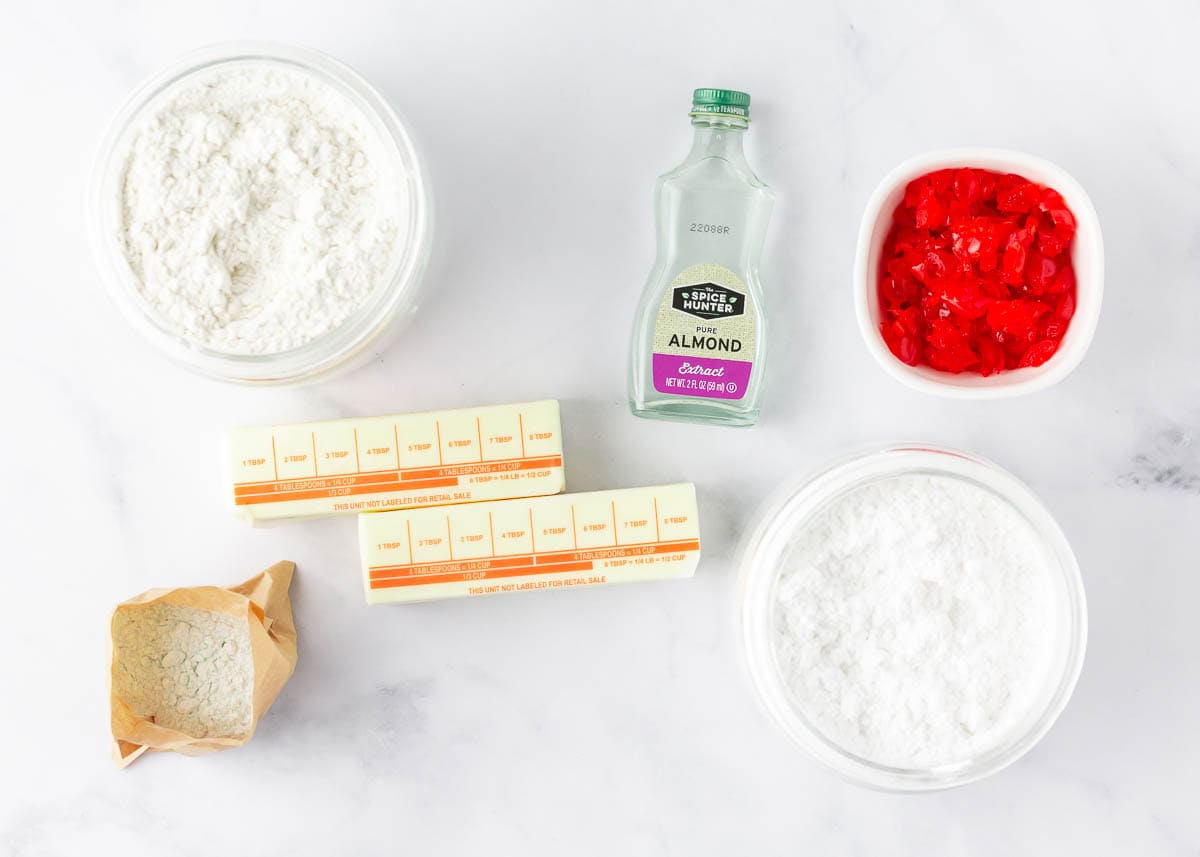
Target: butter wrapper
pixel 373 464
pixel 569 540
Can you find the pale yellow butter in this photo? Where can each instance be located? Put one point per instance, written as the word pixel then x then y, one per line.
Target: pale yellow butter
pixel 372 464
pixel 632 534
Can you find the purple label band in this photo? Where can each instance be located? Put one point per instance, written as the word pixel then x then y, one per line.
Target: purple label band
pixel 701 376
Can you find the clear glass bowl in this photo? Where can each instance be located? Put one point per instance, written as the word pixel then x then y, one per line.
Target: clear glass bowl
pixel 340 347
pixel 795 506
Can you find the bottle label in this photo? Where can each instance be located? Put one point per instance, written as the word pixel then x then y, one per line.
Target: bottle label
pixel 704 337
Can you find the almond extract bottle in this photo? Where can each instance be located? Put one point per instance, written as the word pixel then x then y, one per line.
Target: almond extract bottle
pixel 699 338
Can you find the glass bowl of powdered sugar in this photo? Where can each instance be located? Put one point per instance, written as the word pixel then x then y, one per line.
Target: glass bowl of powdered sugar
pixel 913 618
pixel 260 213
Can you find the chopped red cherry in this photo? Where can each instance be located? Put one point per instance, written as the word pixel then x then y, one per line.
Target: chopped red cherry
pixel 977 272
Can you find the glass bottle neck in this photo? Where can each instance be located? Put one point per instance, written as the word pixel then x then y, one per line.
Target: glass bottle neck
pixel 718 137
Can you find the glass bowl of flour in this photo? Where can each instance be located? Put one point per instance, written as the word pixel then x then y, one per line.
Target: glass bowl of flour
pixel 260 213
pixel 913 617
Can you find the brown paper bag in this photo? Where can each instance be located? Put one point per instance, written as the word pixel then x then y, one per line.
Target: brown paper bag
pixel 263 602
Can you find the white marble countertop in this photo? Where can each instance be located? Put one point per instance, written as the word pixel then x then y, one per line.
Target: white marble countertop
pixel 618 720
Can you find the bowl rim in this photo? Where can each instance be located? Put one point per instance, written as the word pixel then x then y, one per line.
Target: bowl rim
pixel 814 490
pixel 1011 382
pixel 397 292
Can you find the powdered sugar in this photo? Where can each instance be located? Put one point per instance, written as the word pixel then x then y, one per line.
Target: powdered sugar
pixel 259 209
pixel 913 620
pixel 190 670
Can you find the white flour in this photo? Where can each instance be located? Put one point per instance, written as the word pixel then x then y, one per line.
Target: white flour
pixel 259 210
pixel 913 620
pixel 191 670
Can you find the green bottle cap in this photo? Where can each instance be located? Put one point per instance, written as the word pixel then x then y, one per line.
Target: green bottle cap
pixel 725 102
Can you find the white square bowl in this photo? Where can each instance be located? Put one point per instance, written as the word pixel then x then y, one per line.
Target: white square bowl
pixel 1087 258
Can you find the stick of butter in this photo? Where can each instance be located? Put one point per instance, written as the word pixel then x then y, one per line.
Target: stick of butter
pixel 376 463
pixel 540 543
